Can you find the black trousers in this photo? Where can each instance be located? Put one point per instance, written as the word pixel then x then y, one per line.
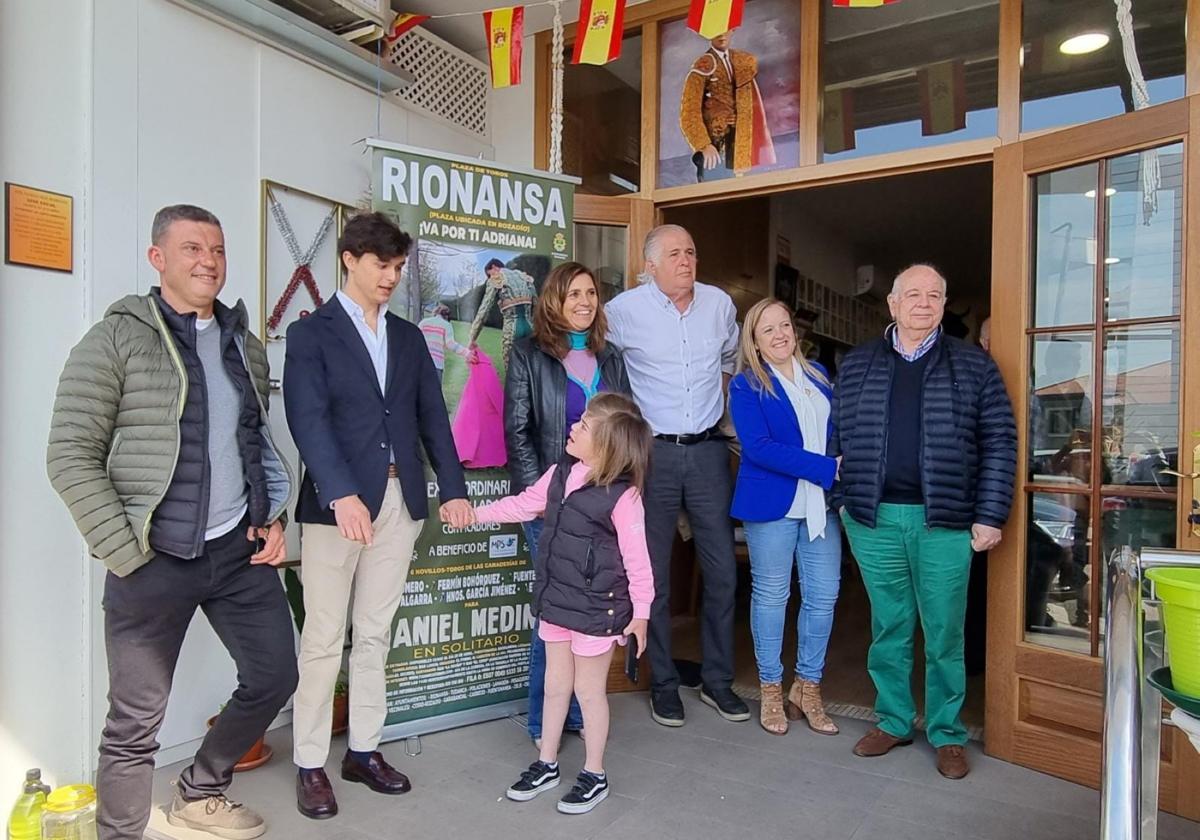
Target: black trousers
pixel 694 478
pixel 146 615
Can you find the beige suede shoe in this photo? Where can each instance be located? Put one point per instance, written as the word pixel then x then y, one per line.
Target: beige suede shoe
pixel 216 815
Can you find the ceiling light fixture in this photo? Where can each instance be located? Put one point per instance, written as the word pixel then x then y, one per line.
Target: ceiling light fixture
pixel 1082 44
pixel 1111 260
pixel 1109 191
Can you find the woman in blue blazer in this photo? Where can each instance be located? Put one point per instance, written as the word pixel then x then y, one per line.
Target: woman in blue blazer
pixel 781 408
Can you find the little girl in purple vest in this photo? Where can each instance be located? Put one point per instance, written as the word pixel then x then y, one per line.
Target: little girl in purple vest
pixel 594 583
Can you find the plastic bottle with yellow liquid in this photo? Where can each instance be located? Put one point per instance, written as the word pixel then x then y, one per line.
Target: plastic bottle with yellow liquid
pixel 70 813
pixel 25 821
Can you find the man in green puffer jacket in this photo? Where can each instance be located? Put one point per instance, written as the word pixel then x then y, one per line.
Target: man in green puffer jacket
pixel 160 447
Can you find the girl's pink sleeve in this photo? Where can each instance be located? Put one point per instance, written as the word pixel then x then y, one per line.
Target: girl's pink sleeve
pixel 629 518
pixel 526 506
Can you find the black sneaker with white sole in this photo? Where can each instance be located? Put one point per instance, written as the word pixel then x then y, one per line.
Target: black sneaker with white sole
pixel 588 791
pixel 539 777
pixel 666 708
pixel 727 704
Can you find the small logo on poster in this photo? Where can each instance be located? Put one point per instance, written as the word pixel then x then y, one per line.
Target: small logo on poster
pixel 560 242
pixel 502 545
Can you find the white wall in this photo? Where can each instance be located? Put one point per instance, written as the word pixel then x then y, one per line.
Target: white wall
pixel 511 116
pixel 172 107
pixel 44 640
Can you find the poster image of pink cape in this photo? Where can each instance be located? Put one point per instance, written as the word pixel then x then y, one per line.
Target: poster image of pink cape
pixel 479 423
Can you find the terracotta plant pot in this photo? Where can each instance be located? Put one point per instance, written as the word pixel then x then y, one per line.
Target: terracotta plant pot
pixel 341 713
pixel 258 754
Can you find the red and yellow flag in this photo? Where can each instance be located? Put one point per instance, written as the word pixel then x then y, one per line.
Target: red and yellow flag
pixel 863 4
pixel 715 17
pixel 504 29
pixel 402 24
pixel 943 97
pixel 598 39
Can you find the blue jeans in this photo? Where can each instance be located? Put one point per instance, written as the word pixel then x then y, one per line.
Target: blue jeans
pixel 773 548
pixel 537 661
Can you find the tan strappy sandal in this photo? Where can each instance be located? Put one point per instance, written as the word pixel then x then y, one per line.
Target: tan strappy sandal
pixel 770 715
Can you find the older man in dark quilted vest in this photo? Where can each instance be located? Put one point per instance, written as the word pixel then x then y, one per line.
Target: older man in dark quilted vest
pixel 928 444
pixel 160 447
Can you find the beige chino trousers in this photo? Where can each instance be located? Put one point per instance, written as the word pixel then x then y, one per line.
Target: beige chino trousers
pixel 330 565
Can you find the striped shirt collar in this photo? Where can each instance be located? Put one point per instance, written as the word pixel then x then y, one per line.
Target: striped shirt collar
pixel 922 348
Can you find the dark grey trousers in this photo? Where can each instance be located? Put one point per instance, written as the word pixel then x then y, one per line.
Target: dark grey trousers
pixel 146 615
pixel 696 479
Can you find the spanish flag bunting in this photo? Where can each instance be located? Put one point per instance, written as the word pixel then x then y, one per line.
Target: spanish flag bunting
pixel 504 29
pixel 863 4
pixel 943 97
pixel 839 120
pixel 600 27
pixel 402 24
pixel 715 17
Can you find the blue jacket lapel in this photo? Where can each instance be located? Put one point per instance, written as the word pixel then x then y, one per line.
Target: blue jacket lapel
pixel 783 402
pixel 393 335
pixel 343 326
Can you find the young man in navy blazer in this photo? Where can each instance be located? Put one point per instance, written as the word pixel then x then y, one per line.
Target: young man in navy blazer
pixel 362 395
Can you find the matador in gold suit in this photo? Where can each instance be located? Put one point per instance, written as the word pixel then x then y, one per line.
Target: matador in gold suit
pixel 721 113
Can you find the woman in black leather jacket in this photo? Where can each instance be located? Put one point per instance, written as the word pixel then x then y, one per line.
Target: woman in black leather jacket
pixel 551 376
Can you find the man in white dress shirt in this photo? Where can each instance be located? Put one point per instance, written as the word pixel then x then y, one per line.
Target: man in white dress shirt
pixel 679 340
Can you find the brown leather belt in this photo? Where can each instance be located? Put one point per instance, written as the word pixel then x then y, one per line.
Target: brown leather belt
pixel 392 473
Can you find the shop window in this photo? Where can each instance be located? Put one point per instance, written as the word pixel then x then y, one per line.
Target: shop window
pixel 908 75
pixel 1073 63
pixel 602 121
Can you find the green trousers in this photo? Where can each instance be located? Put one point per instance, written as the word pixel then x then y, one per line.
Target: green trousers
pixel 912 572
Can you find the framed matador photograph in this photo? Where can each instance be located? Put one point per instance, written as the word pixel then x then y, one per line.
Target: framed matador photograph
pixel 730 105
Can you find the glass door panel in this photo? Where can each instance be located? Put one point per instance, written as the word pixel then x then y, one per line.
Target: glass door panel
pixel 1064 267
pixel 1141 407
pixel 1143 263
pixel 1060 409
pixel 1107 269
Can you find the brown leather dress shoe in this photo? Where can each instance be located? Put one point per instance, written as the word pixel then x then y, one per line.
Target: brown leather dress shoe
pixel 314 795
pixel 952 761
pixel 376 774
pixel 877 742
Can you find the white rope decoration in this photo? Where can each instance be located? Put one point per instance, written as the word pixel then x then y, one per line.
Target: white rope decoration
pixel 1151 168
pixel 556 92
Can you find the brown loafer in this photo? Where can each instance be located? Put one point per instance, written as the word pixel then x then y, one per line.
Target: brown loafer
pixel 952 761
pixel 877 742
pixel 376 774
pixel 314 795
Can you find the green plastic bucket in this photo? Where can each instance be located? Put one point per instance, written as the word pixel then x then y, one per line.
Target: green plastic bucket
pixel 1179 591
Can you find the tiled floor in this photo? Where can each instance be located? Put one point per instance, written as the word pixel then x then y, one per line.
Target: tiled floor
pixel 710 779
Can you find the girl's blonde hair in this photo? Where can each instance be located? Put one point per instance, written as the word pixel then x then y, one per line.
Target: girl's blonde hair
pixel 620 440
pixel 749 357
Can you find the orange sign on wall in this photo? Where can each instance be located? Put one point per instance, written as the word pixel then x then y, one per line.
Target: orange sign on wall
pixel 38 228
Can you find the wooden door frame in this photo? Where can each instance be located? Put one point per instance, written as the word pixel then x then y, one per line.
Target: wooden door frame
pixel 1022 675
pixel 633 212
